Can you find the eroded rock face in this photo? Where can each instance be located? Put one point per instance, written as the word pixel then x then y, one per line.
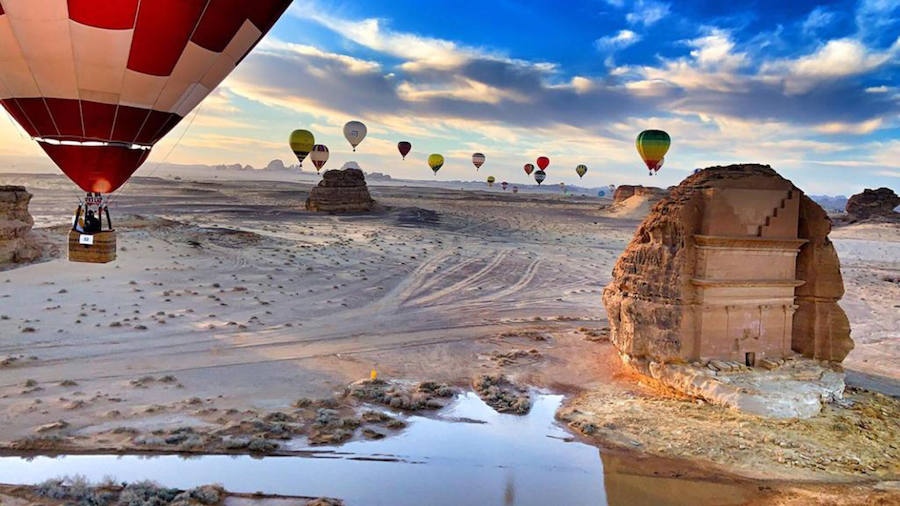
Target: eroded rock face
pixel 627 191
pixel 873 204
pixel 16 245
pixel 341 191
pixel 688 287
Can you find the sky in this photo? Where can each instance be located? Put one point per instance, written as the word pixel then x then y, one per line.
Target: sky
pixel 811 88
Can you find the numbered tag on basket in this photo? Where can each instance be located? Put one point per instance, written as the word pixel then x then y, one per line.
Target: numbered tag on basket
pixel 86 240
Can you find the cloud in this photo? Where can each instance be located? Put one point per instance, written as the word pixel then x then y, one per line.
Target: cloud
pixel 647 12
pixel 618 41
pixel 838 58
pixel 818 18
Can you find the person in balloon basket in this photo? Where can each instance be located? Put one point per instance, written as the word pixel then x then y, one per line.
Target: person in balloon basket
pixel 90 222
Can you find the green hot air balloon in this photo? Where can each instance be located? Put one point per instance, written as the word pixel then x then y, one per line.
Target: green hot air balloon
pixel 436 161
pixel 653 145
pixel 302 142
pixel 581 170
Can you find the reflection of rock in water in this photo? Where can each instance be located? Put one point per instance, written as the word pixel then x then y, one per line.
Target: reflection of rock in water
pixel 414 216
pixel 16 243
pixel 341 191
pixel 734 267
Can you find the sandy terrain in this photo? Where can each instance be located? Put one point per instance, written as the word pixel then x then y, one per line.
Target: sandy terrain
pixel 228 296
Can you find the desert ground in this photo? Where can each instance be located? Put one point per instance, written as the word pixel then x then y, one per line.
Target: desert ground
pixel 228 300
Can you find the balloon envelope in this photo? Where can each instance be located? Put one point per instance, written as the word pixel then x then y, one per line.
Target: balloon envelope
pixel 543 162
pixel 529 168
pixel 478 160
pixel 98 84
pixel 319 155
pixel 355 132
pixel 540 176
pixel 581 170
pixel 404 148
pixel 652 145
pixel 302 142
pixel 490 180
pixel 436 161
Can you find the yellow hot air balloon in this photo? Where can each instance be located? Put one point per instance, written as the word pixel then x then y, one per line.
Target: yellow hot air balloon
pixel 436 161
pixel 302 142
pixel 490 180
pixel 653 145
pixel 581 170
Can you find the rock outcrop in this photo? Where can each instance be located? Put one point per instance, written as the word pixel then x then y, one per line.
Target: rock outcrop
pixel 341 191
pixel 711 274
pixel 16 243
pixel 878 203
pixel 732 271
pixel 626 191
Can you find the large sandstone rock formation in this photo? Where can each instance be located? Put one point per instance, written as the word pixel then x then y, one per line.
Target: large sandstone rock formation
pixel 734 265
pixel 626 191
pixel 873 204
pixel 16 244
pixel 341 191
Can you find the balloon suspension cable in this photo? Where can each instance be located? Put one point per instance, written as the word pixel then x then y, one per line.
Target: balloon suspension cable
pixel 158 164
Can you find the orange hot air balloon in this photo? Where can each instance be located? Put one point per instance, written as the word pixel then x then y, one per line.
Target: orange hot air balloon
pixel 543 162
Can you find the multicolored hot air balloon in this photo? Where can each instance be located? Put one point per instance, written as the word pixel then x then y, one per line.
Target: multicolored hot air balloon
pixel 435 161
pixel 404 148
pixel 302 142
pixel 355 132
pixel 504 185
pixel 98 84
pixel 477 160
pixel 490 180
pixel 529 168
pixel 543 162
pixel 653 145
pixel 581 170
pixel 540 176
pixel 319 155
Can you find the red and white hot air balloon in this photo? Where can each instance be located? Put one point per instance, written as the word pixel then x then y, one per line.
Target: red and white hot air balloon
pixel 98 82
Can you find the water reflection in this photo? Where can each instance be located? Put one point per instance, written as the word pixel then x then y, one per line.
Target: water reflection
pixel 506 460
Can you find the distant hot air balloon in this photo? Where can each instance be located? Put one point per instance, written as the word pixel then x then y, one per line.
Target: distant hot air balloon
pixel 529 168
pixel 543 162
pixel 404 148
pixel 504 185
pixel 302 142
pixel 355 132
pixel 436 161
pixel 562 186
pixel 540 176
pixel 515 189
pixel 581 170
pixel 319 155
pixel 653 145
pixel 601 193
pixel 697 170
pixel 490 180
pixel 477 160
